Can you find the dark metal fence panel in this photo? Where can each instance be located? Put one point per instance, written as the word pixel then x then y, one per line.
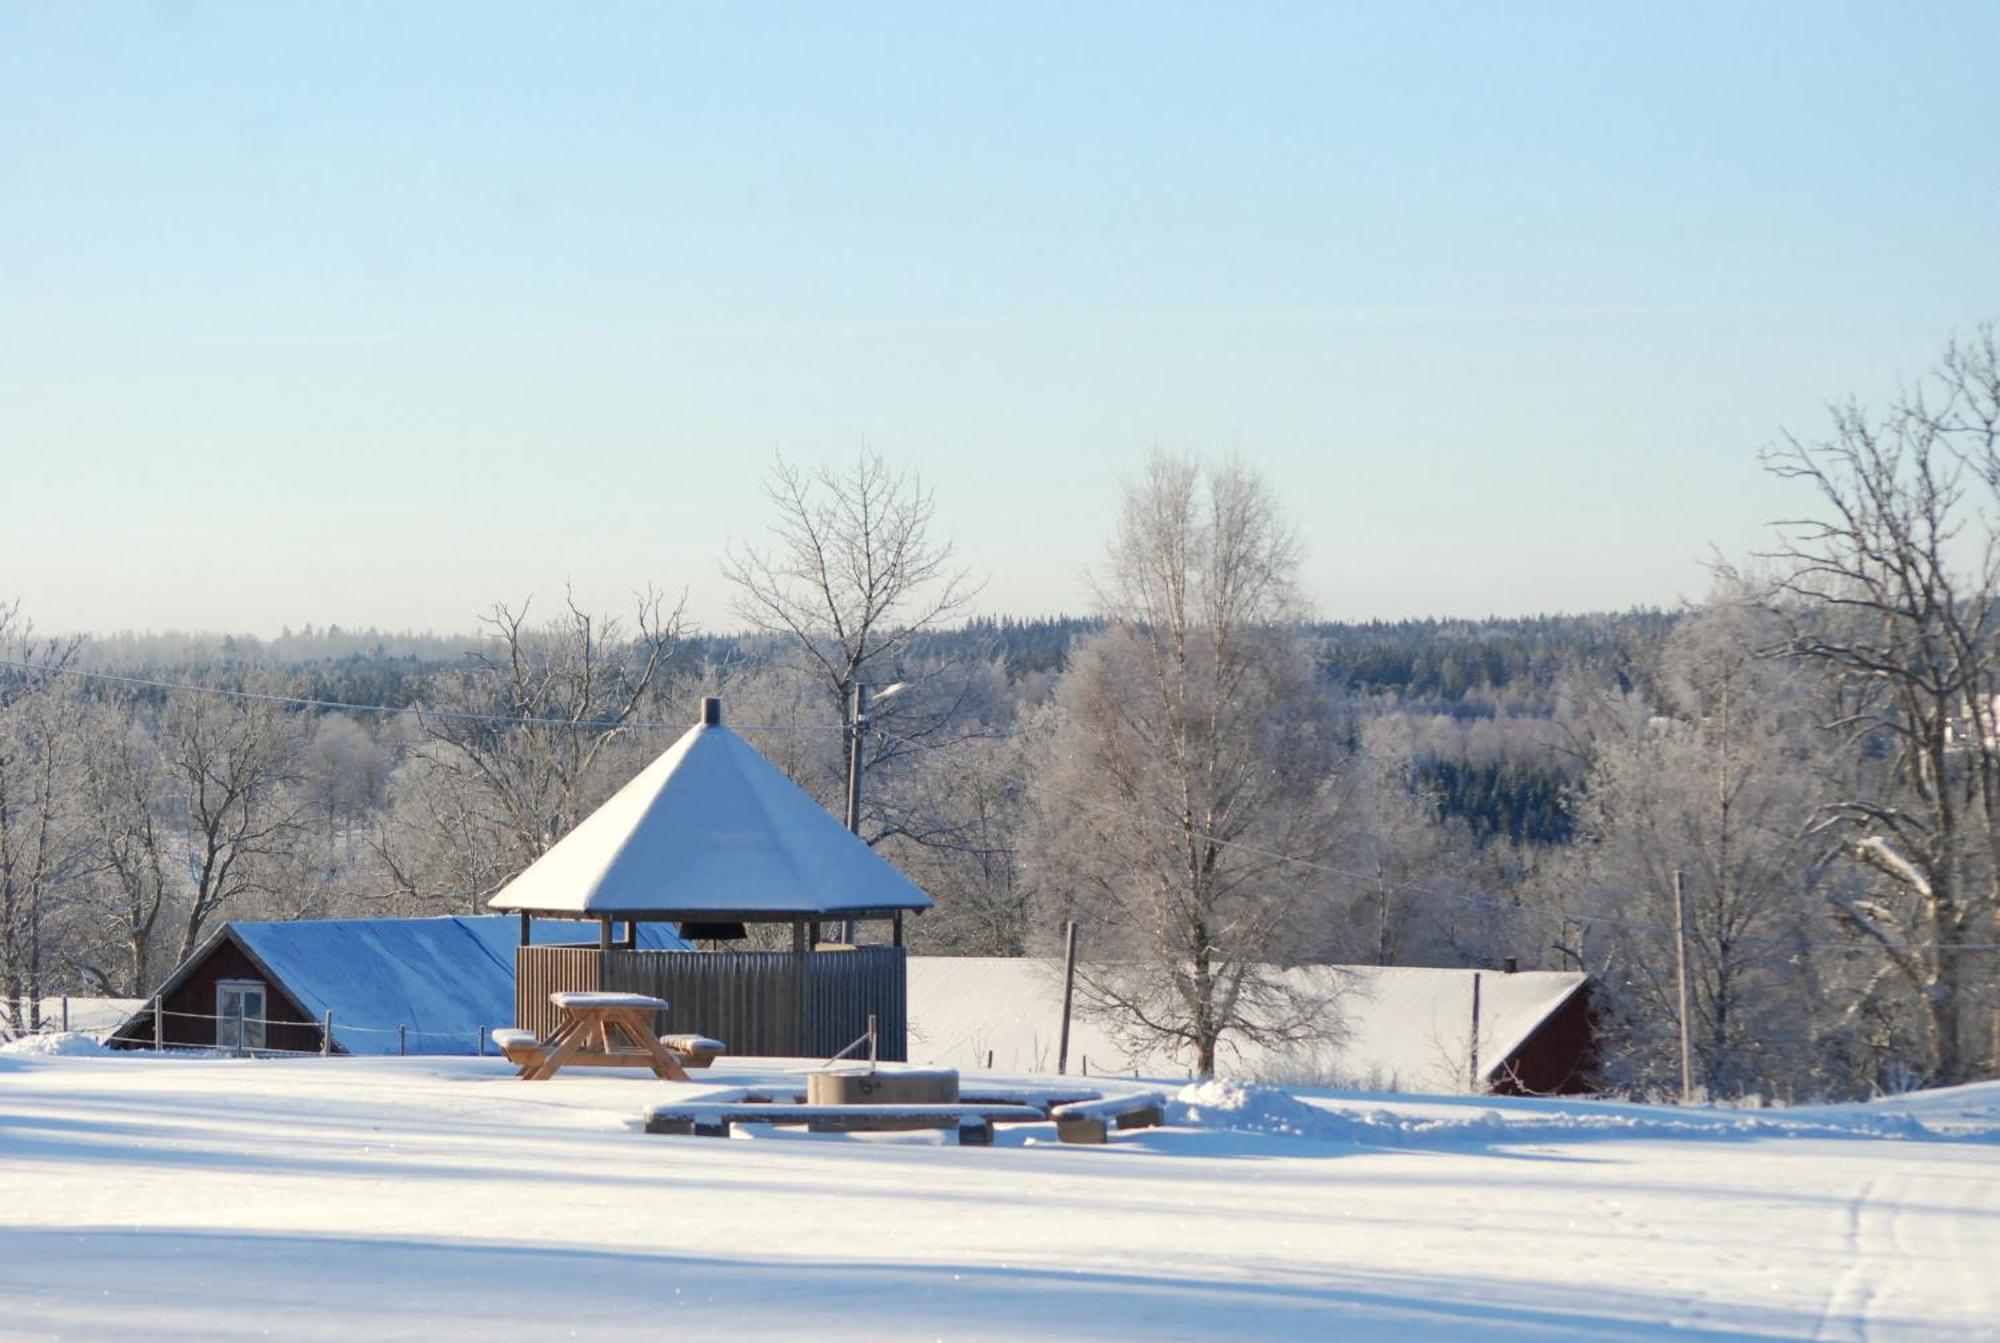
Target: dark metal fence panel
pixel 754 1001
pixel 846 988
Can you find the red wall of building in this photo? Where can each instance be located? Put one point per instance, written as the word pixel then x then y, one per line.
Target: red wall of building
pixel 1559 1059
pixel 191 1008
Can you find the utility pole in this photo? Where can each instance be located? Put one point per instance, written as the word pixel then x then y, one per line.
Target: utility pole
pixel 857 708
pixel 1069 996
pixel 1681 976
pixel 857 741
pixel 1382 916
pixel 1472 1083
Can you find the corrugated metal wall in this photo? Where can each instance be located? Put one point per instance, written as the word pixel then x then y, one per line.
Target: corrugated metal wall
pixel 753 1001
pixel 848 985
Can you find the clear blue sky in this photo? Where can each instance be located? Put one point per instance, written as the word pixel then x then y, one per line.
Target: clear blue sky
pixel 374 313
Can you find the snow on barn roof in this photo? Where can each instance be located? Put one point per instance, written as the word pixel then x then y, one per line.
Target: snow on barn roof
pixel 442 979
pixel 711 830
pixel 1397 1028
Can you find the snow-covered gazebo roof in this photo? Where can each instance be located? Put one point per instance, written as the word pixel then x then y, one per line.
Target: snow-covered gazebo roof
pixel 711 831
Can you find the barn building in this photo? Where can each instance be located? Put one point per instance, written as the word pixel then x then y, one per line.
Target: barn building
pixel 421 986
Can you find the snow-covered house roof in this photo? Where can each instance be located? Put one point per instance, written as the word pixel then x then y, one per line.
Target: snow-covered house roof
pixel 711 831
pixel 1411 1028
pixel 1391 1027
pixel 442 980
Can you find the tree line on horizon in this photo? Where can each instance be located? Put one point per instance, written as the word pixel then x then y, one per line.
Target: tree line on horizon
pixel 1213 783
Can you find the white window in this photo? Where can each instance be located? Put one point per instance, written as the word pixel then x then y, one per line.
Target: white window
pixel 239 1014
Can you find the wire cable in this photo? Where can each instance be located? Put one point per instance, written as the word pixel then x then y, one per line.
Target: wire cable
pixel 1478 901
pixel 412 710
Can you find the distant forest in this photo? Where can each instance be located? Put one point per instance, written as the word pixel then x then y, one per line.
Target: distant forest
pixel 1492 670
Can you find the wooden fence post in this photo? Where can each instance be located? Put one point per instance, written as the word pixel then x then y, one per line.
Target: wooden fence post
pixel 159 1023
pixel 402 1042
pixel 326 1036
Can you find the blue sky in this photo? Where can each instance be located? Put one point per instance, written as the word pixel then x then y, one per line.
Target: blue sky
pixel 373 314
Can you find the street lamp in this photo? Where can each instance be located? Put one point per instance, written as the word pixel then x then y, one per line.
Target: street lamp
pixel 857 728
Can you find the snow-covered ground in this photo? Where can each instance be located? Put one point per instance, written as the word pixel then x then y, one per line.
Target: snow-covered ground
pixel 194 1198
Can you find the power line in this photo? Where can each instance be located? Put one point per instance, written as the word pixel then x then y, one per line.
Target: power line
pixel 1478 901
pixel 411 710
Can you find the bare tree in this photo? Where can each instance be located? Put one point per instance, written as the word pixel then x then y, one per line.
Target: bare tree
pixel 1189 764
pixel 235 766
pixel 517 747
pixel 39 852
pixel 853 572
pixel 195 807
pixel 853 577
pixel 1891 585
pixel 136 868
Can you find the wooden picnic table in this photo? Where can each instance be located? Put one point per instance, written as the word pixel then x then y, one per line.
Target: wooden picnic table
pixel 590 1032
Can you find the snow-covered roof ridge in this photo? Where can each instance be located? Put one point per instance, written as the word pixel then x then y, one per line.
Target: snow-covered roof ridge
pixel 711 830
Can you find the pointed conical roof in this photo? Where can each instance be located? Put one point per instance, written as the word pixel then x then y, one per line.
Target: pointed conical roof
pixel 711 830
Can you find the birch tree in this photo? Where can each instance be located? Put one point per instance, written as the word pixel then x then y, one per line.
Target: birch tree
pixel 1186 770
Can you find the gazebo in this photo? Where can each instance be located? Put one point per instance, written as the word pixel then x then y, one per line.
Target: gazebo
pixel 713 837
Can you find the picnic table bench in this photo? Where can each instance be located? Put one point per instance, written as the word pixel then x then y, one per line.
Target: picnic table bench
pixel 713 1119
pixel 1046 1101
pixel 597 1030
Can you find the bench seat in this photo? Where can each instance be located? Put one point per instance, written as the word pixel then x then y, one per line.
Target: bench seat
pixel 518 1046
pixel 695 1051
pixel 1091 1122
pixel 711 1119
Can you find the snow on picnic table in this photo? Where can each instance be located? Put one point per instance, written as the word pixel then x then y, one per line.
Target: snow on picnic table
pixel 192 1198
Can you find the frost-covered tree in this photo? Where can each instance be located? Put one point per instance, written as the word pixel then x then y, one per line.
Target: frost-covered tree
pixel 1892 585
pixel 517 745
pixel 1717 779
pixel 194 805
pixel 40 850
pixel 1186 767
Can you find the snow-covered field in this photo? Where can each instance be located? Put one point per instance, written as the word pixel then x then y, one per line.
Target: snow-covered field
pixel 185 1198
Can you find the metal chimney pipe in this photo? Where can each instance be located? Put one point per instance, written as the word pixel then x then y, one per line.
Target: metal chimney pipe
pixel 711 711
